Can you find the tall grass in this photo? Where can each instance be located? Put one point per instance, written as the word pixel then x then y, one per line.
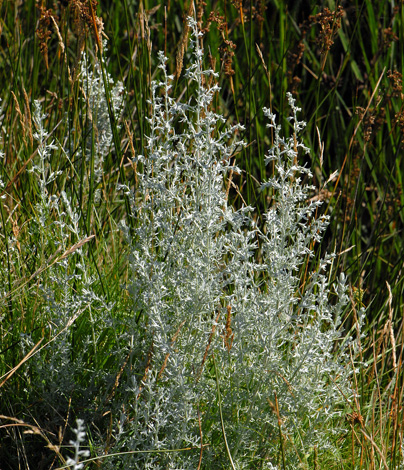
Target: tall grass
pixel 69 325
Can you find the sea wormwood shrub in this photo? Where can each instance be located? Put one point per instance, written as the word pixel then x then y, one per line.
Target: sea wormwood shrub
pixel 68 373
pixel 66 287
pixel 235 363
pixel 67 370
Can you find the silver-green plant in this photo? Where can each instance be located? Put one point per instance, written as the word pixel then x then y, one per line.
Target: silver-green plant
pixel 180 283
pixel 74 463
pixel 100 140
pixel 235 362
pixel 68 370
pixel 66 285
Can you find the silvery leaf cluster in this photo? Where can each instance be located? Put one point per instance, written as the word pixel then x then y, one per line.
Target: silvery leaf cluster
pixel 219 303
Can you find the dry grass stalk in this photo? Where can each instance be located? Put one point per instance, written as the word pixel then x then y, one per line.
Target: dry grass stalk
pixel 330 23
pixel 183 44
pixel 227 49
pixel 84 21
pixel 390 327
pixel 352 140
pixel 168 354
pixel 205 356
pixel 75 247
pixel 43 32
pixel 28 118
pixel 62 47
pixel 118 378
pixel 268 74
pixel 375 446
pixel 228 336
pixel 20 116
pixel 146 371
pixel 25 119
pixel 6 376
pixel 31 430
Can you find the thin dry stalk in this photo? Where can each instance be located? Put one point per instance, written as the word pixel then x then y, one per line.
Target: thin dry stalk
pixel 146 371
pixel 397 401
pixel 6 376
pixel 17 423
pixel 62 48
pixel 75 247
pixel 28 118
pixel 53 259
pixel 355 418
pixel 21 119
pixel 183 44
pixel 145 33
pixel 228 336
pixel 356 321
pixel 374 445
pixel 357 127
pixel 390 326
pixel 168 354
pixel 378 388
pixel 356 392
pixel 399 422
pixel 62 433
pixel 118 378
pixel 43 32
pixel 205 356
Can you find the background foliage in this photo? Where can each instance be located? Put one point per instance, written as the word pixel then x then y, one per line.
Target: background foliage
pixel 343 61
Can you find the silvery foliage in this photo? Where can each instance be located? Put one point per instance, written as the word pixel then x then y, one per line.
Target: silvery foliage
pixel 198 293
pixel 41 167
pixel 67 287
pixel 282 363
pixel 180 280
pixel 92 85
pixel 74 463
